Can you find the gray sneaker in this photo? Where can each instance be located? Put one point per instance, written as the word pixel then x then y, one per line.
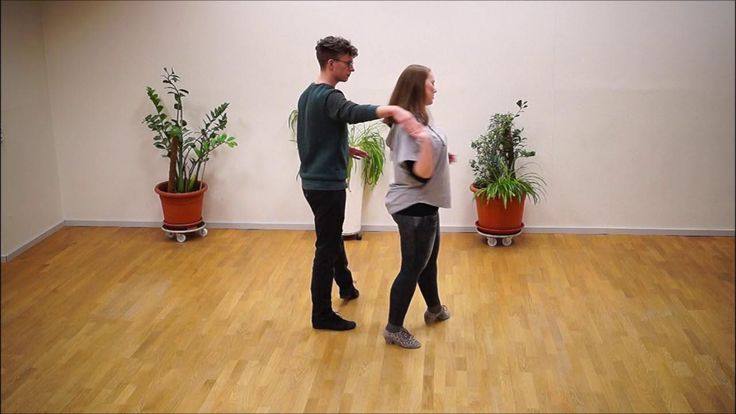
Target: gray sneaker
pixel 442 315
pixel 402 338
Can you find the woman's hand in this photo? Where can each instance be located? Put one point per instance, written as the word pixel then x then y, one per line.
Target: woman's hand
pixel 415 129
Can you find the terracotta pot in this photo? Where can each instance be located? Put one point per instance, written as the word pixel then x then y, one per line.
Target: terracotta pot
pixel 494 218
pixel 181 210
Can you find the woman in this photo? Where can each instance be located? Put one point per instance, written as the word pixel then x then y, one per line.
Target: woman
pixel 421 185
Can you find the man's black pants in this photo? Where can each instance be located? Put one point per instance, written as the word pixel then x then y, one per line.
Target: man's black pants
pixel 330 260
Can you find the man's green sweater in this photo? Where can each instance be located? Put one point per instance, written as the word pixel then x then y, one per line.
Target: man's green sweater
pixel 322 135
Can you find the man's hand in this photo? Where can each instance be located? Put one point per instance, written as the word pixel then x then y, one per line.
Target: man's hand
pixel 401 115
pixel 406 119
pixel 357 153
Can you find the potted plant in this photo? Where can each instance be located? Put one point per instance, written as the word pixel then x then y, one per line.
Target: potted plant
pixel 500 185
pixel 188 151
pixel 367 137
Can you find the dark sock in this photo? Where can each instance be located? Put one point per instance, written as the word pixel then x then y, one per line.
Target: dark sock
pixel 392 328
pixel 435 309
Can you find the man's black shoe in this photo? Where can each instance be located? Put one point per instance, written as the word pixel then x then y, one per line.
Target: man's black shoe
pixel 332 322
pixel 350 295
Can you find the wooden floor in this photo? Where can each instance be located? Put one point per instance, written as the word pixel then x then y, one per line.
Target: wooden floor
pixel 126 320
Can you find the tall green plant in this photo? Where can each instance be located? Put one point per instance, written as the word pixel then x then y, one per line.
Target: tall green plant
pixel 188 151
pixel 495 172
pixel 293 117
pixel 368 138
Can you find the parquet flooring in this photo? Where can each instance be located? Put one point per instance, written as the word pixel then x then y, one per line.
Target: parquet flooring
pixel 126 320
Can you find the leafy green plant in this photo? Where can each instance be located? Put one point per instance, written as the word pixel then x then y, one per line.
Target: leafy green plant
pixel 495 173
pixel 368 137
pixel 293 116
pixel 188 151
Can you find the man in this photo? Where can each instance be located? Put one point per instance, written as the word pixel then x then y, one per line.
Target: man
pixel 322 139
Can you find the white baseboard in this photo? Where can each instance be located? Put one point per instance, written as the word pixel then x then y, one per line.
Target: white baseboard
pixel 634 231
pixel 260 226
pixel 210 224
pixel 302 226
pixel 584 230
pixel 110 223
pixel 53 229
pixel 447 229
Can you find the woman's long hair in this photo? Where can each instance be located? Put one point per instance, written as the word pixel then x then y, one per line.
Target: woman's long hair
pixel 410 93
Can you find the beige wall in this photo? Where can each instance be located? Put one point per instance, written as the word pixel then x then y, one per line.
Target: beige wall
pixel 630 103
pixel 31 199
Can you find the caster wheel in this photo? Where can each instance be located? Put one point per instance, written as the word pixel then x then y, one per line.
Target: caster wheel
pixel 492 241
pixel 181 238
pixel 507 241
pixel 359 236
pixel 170 235
pixel 203 232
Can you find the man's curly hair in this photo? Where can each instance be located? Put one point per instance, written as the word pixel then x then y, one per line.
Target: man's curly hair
pixel 331 47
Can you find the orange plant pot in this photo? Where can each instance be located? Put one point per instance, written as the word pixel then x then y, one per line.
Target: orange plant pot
pixel 181 210
pixel 494 218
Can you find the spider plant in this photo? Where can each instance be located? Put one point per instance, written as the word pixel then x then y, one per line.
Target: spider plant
pixel 293 116
pixel 364 136
pixel 511 184
pixel 368 138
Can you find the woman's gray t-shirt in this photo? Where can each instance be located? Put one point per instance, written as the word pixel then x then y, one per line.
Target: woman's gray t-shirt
pixel 406 190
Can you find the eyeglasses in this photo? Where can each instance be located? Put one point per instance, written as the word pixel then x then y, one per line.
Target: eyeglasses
pixel 348 63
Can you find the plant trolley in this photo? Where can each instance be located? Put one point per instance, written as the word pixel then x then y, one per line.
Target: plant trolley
pixel 180 232
pixel 493 236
